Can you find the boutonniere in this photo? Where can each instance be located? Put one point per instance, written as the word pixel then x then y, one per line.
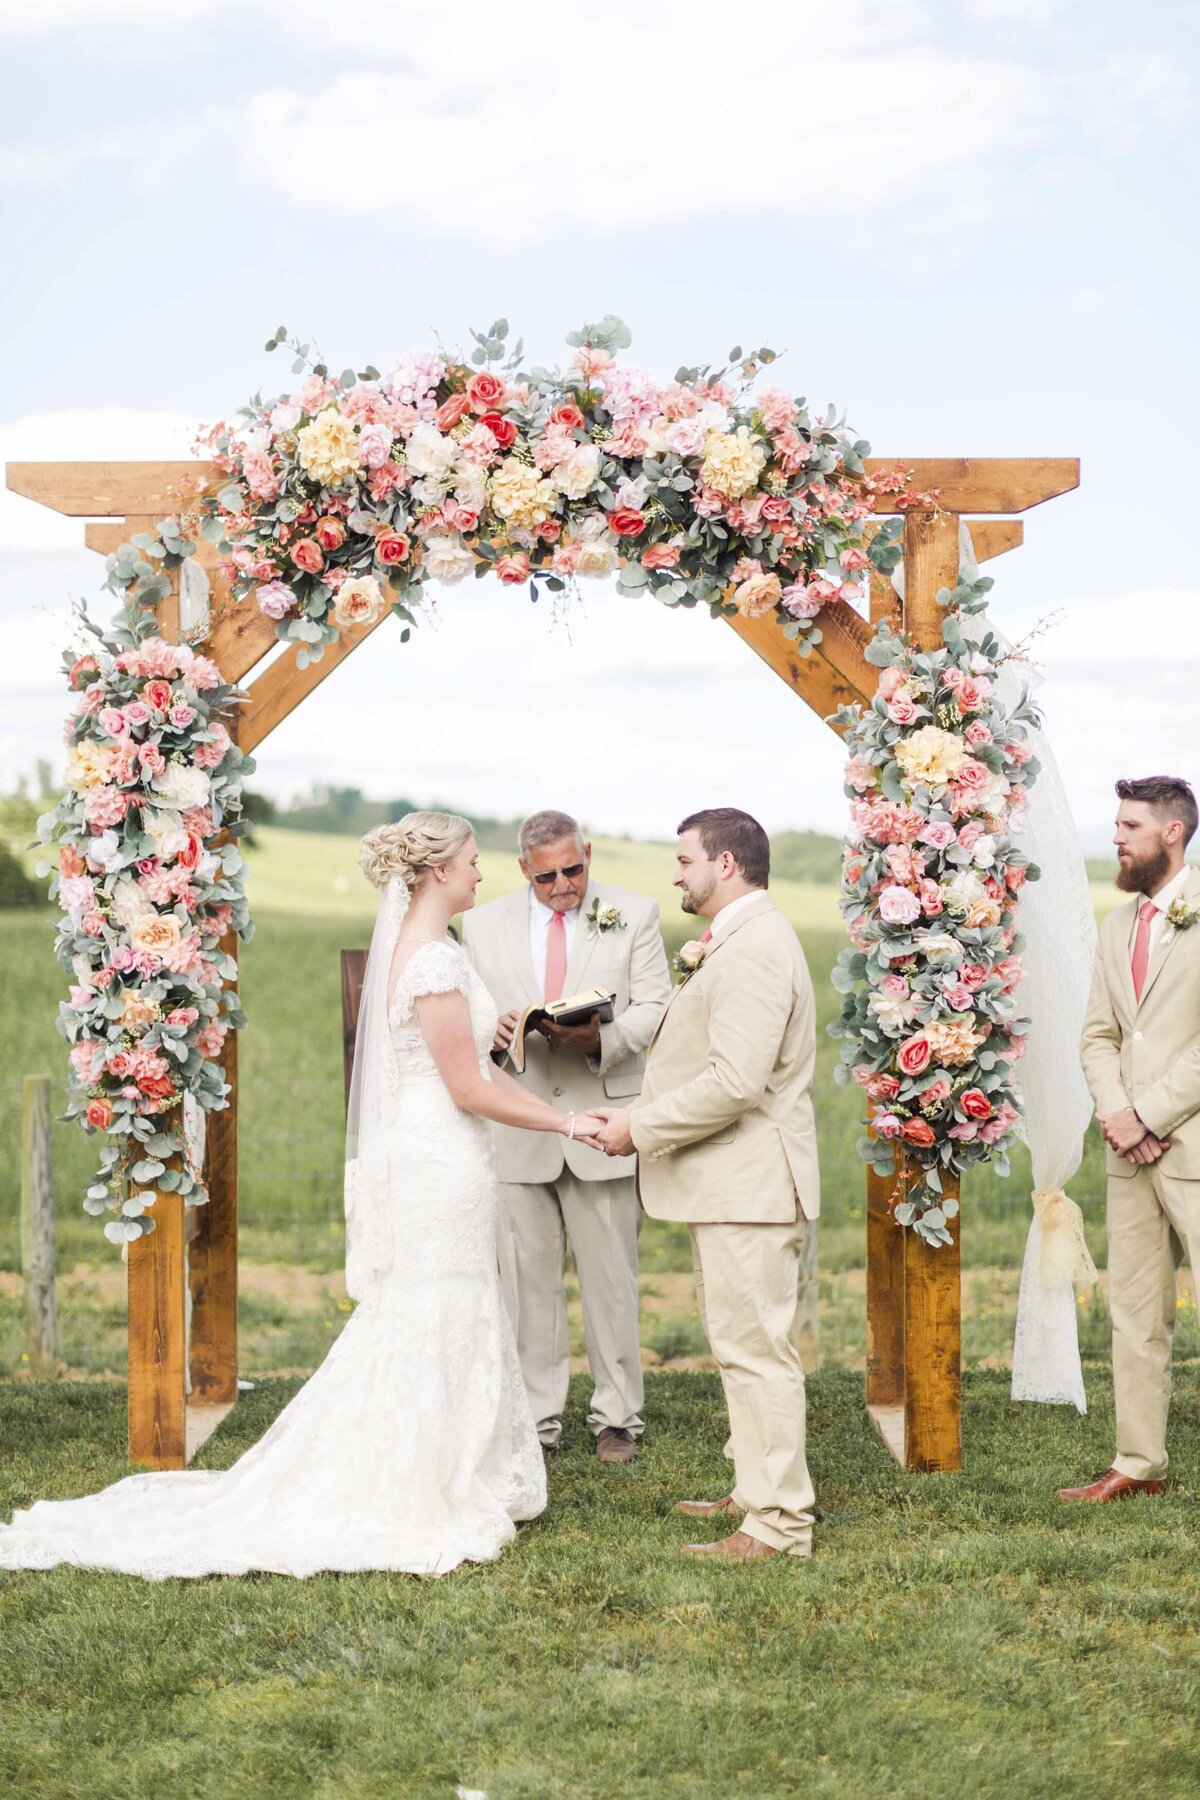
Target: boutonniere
pixel 606 918
pixel 1181 915
pixel 687 960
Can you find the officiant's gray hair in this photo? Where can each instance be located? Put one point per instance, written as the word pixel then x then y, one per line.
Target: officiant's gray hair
pixel 547 828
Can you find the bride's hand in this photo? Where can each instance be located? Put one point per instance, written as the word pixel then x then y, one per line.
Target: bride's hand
pixel 586 1128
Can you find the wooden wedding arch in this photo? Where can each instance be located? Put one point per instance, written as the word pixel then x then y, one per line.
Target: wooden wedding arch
pixel 183 1275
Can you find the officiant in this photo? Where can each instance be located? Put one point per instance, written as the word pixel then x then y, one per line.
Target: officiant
pixel 559 934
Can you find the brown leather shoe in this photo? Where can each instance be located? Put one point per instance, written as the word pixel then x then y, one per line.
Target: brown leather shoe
pixel 1112 1486
pixel 708 1509
pixel 616 1445
pixel 739 1545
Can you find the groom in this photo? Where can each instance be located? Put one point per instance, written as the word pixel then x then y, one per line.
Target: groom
pixel 726 1141
pixel 557 936
pixel 1141 1057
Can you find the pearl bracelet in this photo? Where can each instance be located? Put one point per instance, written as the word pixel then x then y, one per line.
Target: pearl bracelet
pixel 571 1125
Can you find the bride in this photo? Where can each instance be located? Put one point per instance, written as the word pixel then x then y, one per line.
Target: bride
pixel 412 1447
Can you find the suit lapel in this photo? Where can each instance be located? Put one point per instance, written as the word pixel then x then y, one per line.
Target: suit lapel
pixel 586 940
pixel 743 918
pixel 1167 939
pixel 1122 926
pixel 516 932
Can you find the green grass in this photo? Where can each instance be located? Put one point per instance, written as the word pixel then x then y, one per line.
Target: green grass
pixel 953 1635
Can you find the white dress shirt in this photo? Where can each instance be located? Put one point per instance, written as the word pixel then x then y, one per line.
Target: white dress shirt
pixel 1161 901
pixel 721 923
pixel 539 932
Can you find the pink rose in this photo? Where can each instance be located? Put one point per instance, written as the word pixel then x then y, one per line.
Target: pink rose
pixel 137 714
pixel 902 709
pixel 800 601
pixel 182 716
pixel 485 391
pixel 937 1093
pixel 898 905
pixel 895 985
pixel 972 776
pixel 886 1125
pixel 972 693
pixel 970 834
pixel 660 556
pixel 854 559
pixel 375 445
pixel 275 599
pixel 973 976
pixel 958 995
pixel 307 555
pixel 890 681
pixel 882 1087
pixel 938 834
pixel 512 569
pixel 111 721
pixel 977 733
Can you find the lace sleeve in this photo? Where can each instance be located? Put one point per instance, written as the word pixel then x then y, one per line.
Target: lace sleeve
pixel 436 968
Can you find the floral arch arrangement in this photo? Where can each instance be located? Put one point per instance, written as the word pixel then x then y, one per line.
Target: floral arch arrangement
pixel 346 497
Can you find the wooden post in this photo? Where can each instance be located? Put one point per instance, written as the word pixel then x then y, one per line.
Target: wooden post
pixel 157 1332
pixel 37 1226
pixel 932 1278
pixel 212 1251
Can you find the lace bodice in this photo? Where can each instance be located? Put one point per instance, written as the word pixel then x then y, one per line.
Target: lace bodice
pixel 439 967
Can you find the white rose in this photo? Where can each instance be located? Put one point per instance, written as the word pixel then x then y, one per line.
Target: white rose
pixel 182 786
pixel 447 559
pixel 430 490
pixel 165 830
pixel 632 493
pixel 939 946
pixel 470 486
pixel 965 888
pixel 285 418
pixel 591 526
pixel 128 901
pixel 575 475
pixel 359 602
pixel 105 851
pixel 254 442
pixel 894 1011
pixel 596 560
pixel 993 796
pixel 429 453
pixel 984 853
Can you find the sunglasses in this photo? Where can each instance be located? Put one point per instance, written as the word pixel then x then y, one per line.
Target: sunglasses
pixel 550 876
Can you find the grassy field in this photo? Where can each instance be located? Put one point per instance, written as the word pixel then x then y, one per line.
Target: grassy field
pixel 310 901
pixel 953 1635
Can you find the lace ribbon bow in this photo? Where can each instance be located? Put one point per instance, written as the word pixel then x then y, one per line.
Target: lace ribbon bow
pixel 1064 1253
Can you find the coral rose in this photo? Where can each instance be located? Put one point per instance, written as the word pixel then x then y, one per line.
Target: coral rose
pixel 512 569
pixel 919 1133
pixel 391 547
pixel 626 521
pixel 485 391
pixel 914 1054
pixel 660 556
pixel 99 1114
pixel 329 532
pixel 157 695
pixel 306 554
pixel 451 411
pixel 569 415
pixel 976 1104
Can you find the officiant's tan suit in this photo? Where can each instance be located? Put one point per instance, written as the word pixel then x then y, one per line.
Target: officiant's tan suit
pixel 1146 1055
pixel 551 1188
pixel 726 1141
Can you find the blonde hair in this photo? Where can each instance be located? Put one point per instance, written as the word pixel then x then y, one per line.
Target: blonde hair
pixel 411 846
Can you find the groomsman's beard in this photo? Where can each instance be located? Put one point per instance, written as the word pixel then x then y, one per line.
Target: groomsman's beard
pixel 1146 874
pixel 691 903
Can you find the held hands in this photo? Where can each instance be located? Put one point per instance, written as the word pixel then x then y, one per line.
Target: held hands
pixel 583 1128
pixel 613 1137
pixel 504 1030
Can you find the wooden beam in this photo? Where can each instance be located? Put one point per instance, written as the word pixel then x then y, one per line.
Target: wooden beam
pixel 281 688
pixel 984 484
pixel 816 681
pixel 992 537
pixel 157 1334
pixel 106 489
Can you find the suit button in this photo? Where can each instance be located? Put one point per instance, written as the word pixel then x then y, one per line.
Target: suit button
pixel 1137 1037
pixel 558 1093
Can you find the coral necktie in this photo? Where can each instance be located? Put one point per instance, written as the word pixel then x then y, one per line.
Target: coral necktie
pixel 1141 946
pixel 706 936
pixel 556 957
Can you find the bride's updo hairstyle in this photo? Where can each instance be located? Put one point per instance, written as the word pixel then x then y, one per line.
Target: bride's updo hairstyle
pixel 411 846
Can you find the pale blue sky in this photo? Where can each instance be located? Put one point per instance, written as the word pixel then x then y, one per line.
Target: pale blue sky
pixel 972 225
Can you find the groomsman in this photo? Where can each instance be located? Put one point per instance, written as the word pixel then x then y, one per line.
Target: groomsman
pixel 561 933
pixel 1141 1058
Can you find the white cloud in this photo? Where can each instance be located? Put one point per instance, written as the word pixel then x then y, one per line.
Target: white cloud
pixel 858 113
pixel 103 434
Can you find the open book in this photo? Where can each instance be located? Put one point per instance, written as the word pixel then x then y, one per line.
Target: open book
pixel 572 1009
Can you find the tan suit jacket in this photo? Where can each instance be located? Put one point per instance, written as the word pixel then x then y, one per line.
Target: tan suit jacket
pixel 724 1128
pixel 1146 1054
pixel 630 963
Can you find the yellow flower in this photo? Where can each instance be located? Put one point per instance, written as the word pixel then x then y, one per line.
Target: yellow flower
pixel 931 757
pixel 733 462
pixel 757 595
pixel 137 1011
pixel 519 495
pixel 88 764
pixel 952 1041
pixel 328 448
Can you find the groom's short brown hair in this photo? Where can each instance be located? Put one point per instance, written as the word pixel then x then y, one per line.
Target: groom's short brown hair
pixel 725 828
pixel 1169 795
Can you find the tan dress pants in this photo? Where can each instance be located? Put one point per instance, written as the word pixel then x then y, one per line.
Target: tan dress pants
pixel 746 1283
pixel 602 1220
pixel 1153 1222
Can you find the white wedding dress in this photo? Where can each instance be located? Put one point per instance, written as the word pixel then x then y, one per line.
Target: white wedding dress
pixel 413 1446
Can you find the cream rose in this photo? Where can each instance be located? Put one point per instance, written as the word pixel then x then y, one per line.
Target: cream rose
pixel 576 474
pixel 88 764
pixel 448 559
pixel 182 786
pixel 128 901
pixel 596 560
pixel 733 462
pixel 430 454
pixel 519 495
pixel 931 757
pixel 137 1010
pixel 158 932
pixel 359 602
pixel 757 595
pixel 953 1041
pixel 328 448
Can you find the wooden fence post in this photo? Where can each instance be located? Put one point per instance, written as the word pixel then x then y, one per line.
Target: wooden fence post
pixel 37 1226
